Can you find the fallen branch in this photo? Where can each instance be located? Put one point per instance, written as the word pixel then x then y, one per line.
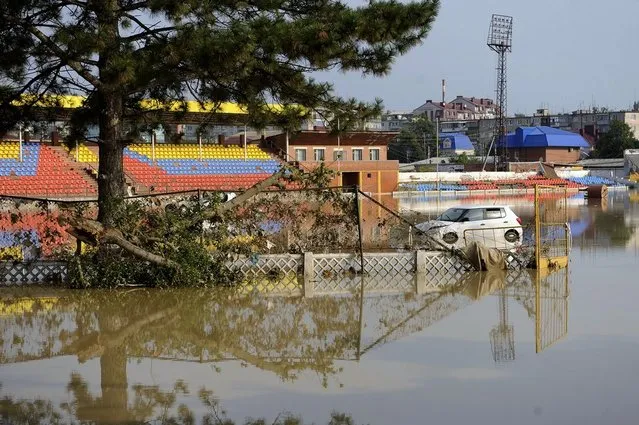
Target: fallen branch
pixel 247 194
pixel 93 232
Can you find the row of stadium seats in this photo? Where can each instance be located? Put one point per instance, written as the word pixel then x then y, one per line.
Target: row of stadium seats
pixel 180 167
pixel 170 151
pixel 83 154
pixel 40 230
pixel 491 185
pixel 593 181
pixel 161 181
pixel 42 173
pixel 9 150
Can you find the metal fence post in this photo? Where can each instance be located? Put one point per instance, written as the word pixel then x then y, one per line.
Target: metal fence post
pixel 309 275
pixel 420 271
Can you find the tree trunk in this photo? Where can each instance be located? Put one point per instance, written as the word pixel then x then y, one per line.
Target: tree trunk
pixel 111 185
pixel 110 98
pixel 113 380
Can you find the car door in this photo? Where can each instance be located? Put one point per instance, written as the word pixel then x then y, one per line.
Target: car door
pixel 472 225
pixel 496 222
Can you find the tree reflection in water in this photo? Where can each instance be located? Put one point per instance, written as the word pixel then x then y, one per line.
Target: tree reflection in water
pixel 150 406
pixel 281 335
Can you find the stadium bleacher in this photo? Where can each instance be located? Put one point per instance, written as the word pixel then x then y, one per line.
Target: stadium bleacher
pixel 185 167
pixel 42 172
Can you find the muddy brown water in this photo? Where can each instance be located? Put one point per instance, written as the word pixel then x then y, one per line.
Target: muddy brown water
pixel 479 350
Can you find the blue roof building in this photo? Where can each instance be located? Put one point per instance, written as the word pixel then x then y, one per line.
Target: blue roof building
pixel 455 143
pixel 547 144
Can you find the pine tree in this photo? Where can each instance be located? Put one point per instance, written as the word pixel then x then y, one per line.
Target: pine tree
pixel 253 52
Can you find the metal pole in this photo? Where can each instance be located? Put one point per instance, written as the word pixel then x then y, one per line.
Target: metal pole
pixel 361 259
pixel 245 152
pixel 20 143
pixel 338 147
pixel 77 151
pixel 437 136
pixel 153 146
pixel 199 142
pixel 538 317
pixel 424 144
pixel 287 142
pixel 437 147
pixel 537 230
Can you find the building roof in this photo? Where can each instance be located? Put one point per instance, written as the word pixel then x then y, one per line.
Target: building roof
pixel 545 137
pixel 458 141
pixel 358 138
pixel 601 162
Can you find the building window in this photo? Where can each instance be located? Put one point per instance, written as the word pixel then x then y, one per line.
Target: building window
pixel 300 154
pixel 318 154
pixel 357 154
pixel 338 155
pixel 374 154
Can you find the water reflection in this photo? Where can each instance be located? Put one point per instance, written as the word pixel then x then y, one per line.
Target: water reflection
pixel 282 336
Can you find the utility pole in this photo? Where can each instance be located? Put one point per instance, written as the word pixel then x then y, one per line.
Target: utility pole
pixel 437 150
pixel 424 143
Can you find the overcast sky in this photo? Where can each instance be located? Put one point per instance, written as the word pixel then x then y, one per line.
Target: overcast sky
pixel 566 53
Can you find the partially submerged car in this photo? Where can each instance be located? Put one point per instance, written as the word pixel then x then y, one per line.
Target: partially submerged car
pixel 494 226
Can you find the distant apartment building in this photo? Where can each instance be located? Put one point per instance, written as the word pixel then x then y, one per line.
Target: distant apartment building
pixel 319 120
pixel 459 109
pixel 395 121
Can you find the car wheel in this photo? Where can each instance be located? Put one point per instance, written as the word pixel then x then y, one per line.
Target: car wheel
pixel 450 237
pixel 511 236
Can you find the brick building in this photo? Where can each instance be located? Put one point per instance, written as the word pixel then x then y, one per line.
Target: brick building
pixel 544 143
pixel 360 158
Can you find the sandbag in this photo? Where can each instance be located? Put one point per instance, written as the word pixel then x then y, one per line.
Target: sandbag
pixel 484 258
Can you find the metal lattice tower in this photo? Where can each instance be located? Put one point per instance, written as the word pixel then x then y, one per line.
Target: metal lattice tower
pixel 500 38
pixel 502 336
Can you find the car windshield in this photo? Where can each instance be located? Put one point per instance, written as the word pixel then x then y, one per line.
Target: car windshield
pixel 452 214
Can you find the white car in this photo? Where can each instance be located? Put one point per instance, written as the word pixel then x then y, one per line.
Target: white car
pixel 495 226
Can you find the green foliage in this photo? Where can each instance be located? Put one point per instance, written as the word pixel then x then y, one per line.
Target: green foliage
pixel 197 236
pixel 172 231
pixel 618 138
pixel 465 159
pixel 251 53
pixel 414 141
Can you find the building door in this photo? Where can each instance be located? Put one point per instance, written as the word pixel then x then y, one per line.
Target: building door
pixel 350 179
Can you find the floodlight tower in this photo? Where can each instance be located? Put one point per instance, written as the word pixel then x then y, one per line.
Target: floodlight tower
pixel 502 339
pixel 500 38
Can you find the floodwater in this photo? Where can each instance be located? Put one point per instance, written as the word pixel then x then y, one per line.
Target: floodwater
pixel 480 352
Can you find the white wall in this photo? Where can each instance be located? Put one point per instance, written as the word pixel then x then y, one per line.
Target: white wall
pixel 410 177
pixel 414 177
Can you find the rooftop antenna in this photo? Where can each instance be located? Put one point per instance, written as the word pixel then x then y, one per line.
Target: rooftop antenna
pixel 500 38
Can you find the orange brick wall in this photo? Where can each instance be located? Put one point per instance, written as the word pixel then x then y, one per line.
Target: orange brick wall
pixel 374 176
pixel 561 155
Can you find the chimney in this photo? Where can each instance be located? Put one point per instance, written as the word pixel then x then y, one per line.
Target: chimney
pixel 443 91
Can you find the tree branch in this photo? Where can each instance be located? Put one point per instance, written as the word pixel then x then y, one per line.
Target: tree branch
pixel 250 192
pixel 75 65
pixel 92 232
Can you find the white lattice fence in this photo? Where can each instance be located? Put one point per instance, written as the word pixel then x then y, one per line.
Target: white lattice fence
pixel 35 272
pixel 335 273
pixel 279 273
